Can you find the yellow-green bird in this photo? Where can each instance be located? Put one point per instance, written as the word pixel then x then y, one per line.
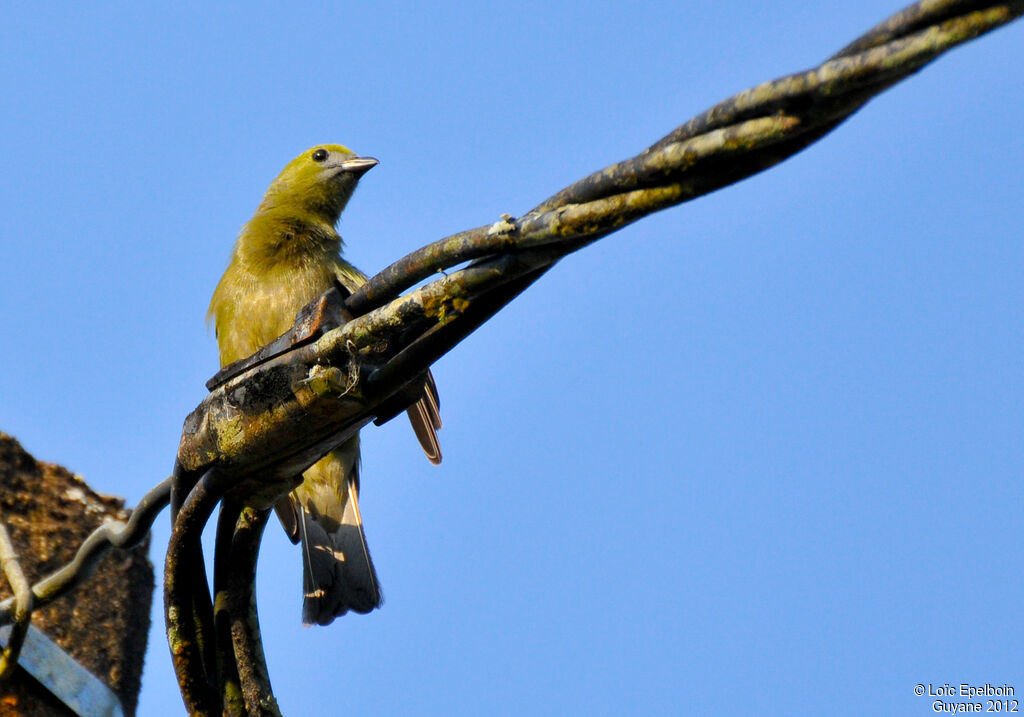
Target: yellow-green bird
pixel 285 256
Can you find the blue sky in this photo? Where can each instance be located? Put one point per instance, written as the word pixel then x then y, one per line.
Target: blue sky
pixel 760 453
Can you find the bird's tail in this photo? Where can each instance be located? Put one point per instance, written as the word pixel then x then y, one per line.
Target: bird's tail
pixel 337 572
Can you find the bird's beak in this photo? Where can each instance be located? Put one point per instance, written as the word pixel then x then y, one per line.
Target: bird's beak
pixel 358 165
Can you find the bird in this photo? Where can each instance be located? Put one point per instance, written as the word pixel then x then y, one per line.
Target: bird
pixel 285 256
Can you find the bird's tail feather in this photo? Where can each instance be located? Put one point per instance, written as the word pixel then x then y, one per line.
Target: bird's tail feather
pixel 338 574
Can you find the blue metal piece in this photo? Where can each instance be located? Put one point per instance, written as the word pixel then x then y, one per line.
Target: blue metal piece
pixel 72 684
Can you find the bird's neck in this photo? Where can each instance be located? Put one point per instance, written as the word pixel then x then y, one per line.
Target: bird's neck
pixel 275 235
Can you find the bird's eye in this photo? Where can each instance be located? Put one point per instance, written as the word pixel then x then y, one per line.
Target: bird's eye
pixel 320 155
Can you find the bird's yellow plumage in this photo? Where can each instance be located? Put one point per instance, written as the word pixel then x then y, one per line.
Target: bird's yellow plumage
pixel 285 256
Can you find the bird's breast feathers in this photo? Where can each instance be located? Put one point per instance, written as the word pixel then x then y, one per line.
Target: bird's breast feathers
pixel 251 309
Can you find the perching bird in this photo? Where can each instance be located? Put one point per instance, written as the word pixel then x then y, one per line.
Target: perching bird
pixel 285 256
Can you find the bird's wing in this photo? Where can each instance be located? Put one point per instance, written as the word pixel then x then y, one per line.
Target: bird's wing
pixel 348 276
pixel 287 510
pixel 425 417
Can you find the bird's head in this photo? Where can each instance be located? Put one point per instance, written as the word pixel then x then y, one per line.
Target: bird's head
pixel 320 180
